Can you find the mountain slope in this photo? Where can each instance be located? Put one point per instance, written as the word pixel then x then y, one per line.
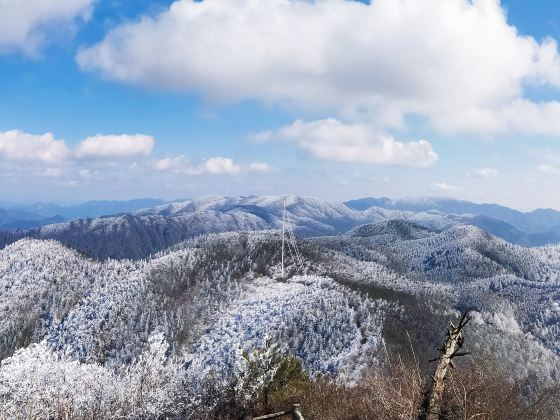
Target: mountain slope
pixel 391 230
pixel 106 312
pixel 193 315
pixel 41 281
pixel 137 237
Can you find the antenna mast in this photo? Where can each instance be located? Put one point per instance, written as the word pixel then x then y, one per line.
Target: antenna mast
pixel 283 233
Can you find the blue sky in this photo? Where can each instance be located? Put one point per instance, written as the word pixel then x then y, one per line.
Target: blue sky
pixel 124 99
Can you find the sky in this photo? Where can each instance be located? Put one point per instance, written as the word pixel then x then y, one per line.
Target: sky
pixel 337 99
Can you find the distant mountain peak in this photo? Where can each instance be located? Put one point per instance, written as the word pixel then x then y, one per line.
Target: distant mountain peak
pixel 397 229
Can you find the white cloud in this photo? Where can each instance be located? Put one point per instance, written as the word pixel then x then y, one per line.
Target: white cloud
pixel 220 165
pixel 19 146
pixel 16 145
pixel 169 163
pixel 213 166
pixel 333 140
pixel 47 163
pixel 121 146
pixel 444 187
pixel 24 24
pixel 485 172
pixel 466 69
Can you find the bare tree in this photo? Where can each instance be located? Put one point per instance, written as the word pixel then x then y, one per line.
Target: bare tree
pixel 450 349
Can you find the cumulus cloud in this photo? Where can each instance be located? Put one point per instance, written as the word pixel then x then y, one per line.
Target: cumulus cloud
pixel 19 146
pixel 213 166
pixel 485 172
pixel 466 70
pixel 24 24
pixel 16 145
pixel 169 163
pixel 104 162
pixel 121 146
pixel 220 165
pixel 333 140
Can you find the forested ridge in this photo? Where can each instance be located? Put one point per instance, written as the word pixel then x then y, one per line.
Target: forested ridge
pixel 186 332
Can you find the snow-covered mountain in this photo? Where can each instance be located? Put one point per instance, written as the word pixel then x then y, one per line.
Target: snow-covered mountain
pixel 210 300
pixel 391 231
pixel 150 230
pixel 538 227
pixel 190 314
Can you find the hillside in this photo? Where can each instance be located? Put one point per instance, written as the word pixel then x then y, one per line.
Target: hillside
pixel 193 311
pixel 390 231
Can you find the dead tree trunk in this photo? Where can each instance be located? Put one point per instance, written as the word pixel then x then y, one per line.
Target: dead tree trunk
pixel 449 350
pixel 294 414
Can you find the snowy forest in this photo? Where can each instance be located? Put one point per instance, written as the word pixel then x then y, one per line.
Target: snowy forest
pixel 209 328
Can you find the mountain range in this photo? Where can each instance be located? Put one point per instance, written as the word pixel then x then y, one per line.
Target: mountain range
pixel 144 227
pixel 91 334
pixel 540 226
pixel 19 216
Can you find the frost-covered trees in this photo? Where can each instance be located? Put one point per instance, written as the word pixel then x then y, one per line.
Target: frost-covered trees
pixel 38 383
pixel 206 323
pixel 265 370
pixel 40 283
pixel 164 331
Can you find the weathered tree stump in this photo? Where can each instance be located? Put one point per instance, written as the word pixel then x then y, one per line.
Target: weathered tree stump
pixel 294 414
pixel 449 350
